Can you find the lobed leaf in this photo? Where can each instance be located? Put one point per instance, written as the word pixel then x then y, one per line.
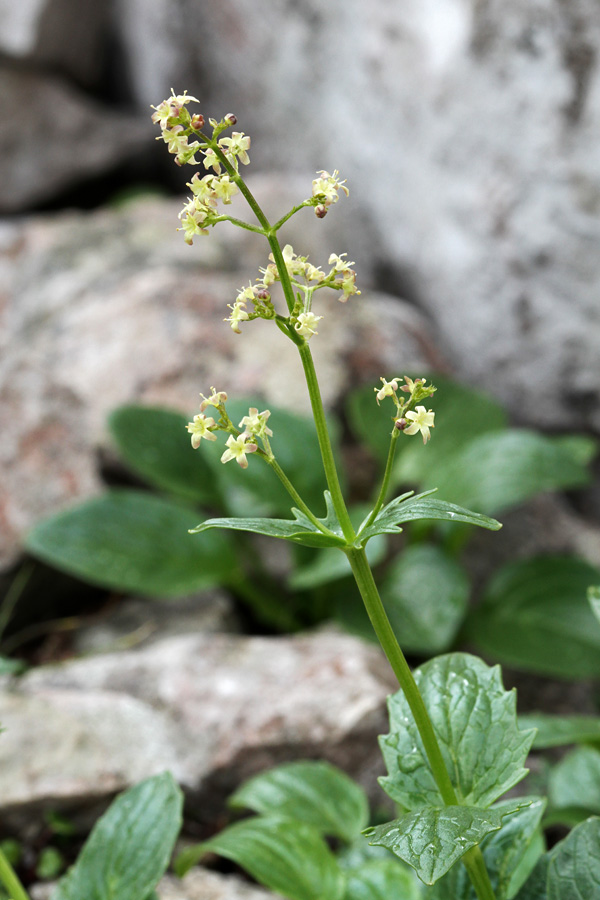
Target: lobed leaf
pixel 431 840
pixel 574 869
pixel 129 847
pixel 534 616
pixel 425 593
pixel 290 858
pixel 407 508
pixel 556 731
pixel 299 530
pixel 133 541
pixel 316 793
pixel 475 722
pixel 382 879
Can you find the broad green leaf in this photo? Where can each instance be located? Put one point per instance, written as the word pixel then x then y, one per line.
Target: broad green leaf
pixel 425 593
pixel 575 781
pixel 316 793
pixel 299 530
pixel 256 491
pixel 534 616
pixel 155 444
pixel 431 840
pixel 129 847
pixel 574 870
pixel 502 469
pixel 9 666
pixel 510 854
pixel 594 601
pixel 556 731
pixel 535 888
pixel 475 723
pixel 407 508
pixel 290 858
pixel 133 541
pixel 460 415
pixel 382 879
pixel 581 447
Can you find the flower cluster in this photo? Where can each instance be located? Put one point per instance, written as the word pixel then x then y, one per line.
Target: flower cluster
pixel 239 443
pixel 325 191
pixel 259 296
pixel 421 420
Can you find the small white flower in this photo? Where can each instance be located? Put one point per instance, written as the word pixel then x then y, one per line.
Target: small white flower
pixel 217 398
pixel 256 423
pixel 327 187
pixel 388 390
pixel 237 449
pixel 201 428
pixel 422 420
pixel 306 325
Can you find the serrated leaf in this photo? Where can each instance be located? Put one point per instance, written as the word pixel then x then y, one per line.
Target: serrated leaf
pixel 575 781
pixel 373 424
pixel 502 469
pixel 431 840
pixel 299 530
pixel 510 854
pixel 287 857
pixel 133 541
pixel 556 731
pixel 534 616
pixel 382 879
pixel 574 869
pixel 257 490
pixel 407 508
pixel 316 793
pixel 594 600
pixel 155 444
pixel 475 722
pixel 425 593
pixel 129 847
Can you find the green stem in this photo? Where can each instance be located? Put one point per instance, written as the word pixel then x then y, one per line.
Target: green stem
pixel 391 648
pixel 10 880
pixel 474 863
pixel 12 596
pixel 289 215
pixel 386 478
pixel 239 222
pixel 296 496
pixel 331 474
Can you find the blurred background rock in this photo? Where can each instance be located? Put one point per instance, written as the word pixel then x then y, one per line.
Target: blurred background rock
pixel 468 132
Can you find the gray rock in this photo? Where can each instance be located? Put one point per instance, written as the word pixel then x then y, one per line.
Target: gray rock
pixel 84 139
pixel 112 307
pixel 213 709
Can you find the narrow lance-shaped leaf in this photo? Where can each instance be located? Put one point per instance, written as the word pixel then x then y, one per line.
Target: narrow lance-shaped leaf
pixel 287 857
pixel 556 731
pixel 129 847
pixel 475 722
pixel 594 601
pixel 407 508
pixel 316 793
pixel 431 840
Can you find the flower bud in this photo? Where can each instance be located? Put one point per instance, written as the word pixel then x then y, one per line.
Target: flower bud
pixel 320 211
pixel 231 119
pixel 400 424
pixel 197 121
pixel 263 295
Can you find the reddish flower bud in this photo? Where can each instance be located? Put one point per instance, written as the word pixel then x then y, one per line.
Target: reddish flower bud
pixel 320 211
pixel 400 424
pixel 263 295
pixel 231 119
pixel 197 122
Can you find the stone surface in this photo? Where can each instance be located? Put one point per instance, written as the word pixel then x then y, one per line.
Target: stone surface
pixel 63 139
pixel 213 709
pixel 112 307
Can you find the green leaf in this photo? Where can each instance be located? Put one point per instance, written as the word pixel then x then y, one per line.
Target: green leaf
pixel 460 415
pixel 594 600
pixel 155 444
pixel 575 781
pixel 316 793
pixel 510 854
pixel 133 541
pixel 534 616
pixel 129 847
pixel 425 593
pixel 257 490
pixel 299 530
pixel 556 731
pixel 431 840
pixel 475 722
pixel 502 469
pixel 287 857
pixel 407 508
pixel 574 870
pixel 382 879
pixel 9 666
pixel 535 888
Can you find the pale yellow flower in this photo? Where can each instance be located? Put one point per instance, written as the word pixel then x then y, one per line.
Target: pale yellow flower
pixel 422 420
pixel 201 428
